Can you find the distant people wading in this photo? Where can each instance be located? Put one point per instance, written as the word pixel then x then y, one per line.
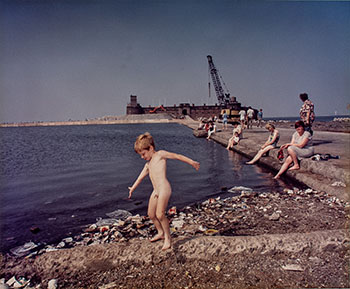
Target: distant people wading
pixel 307 114
pixel 270 144
pixel 300 147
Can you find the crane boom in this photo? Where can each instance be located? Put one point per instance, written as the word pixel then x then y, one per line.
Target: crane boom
pixel 223 98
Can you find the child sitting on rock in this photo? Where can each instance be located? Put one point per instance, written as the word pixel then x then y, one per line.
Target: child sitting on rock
pixel 155 167
pixel 236 136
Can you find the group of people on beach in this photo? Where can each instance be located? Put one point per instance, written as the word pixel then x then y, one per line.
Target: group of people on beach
pixel 301 143
pixel 299 147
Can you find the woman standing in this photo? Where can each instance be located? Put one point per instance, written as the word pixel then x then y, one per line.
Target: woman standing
pixel 270 144
pixel 299 147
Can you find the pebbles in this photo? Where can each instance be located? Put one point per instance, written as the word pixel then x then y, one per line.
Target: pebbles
pixel 250 213
pixel 214 216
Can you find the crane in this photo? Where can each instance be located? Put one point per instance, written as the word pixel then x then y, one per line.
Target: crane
pixel 223 98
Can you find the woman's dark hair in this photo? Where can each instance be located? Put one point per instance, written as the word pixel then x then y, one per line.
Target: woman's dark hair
pixel 299 123
pixel 303 96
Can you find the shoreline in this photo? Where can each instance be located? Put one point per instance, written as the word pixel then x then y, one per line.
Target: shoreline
pixel 341 124
pixel 295 238
pixel 225 235
pixel 331 176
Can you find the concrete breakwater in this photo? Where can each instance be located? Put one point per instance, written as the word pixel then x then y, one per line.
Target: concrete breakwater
pixel 123 119
pixel 331 176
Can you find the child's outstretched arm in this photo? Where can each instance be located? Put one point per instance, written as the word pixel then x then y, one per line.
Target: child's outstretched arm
pixel 142 175
pixel 174 156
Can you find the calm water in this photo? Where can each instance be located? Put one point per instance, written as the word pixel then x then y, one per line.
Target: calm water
pixel 62 178
pixel 324 118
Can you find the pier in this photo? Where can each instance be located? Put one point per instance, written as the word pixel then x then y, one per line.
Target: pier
pixel 331 176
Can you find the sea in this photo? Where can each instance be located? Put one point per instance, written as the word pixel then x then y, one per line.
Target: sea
pixel 60 179
pixel 324 118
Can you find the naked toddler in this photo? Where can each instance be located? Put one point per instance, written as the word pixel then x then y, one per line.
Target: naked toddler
pixel 155 167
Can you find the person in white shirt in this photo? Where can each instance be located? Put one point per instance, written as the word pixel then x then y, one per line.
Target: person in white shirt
pixel 300 147
pixel 212 129
pixel 250 114
pixel 242 116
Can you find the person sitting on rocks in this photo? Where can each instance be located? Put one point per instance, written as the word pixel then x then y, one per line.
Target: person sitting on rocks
pixel 299 147
pixel 212 129
pixel 236 136
pixel 270 144
pixel 201 125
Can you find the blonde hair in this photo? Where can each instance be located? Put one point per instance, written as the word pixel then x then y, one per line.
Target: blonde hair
pixel 144 142
pixel 269 125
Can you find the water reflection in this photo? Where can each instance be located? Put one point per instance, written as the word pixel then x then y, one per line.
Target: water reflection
pixel 267 177
pixel 47 170
pixel 236 160
pixel 255 176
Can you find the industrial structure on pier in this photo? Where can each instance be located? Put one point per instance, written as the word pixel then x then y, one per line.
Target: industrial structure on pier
pixel 226 103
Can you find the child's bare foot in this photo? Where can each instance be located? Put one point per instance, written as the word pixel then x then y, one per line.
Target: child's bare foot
pixel 295 167
pixel 166 245
pixel 157 237
pixel 276 177
pixel 249 163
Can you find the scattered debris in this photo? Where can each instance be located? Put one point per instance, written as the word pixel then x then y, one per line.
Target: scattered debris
pixel 17 283
pixel 250 213
pixel 292 267
pixel 119 214
pixel 214 216
pixel 239 188
pixel 274 217
pixel 53 284
pixel 24 250
pixel 338 184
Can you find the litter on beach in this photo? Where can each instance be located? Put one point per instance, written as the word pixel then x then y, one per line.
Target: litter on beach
pixel 105 222
pixel 24 250
pixel 240 188
pixel 119 214
pixel 338 184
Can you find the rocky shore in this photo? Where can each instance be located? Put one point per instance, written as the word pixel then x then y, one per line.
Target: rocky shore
pixel 296 238
pixel 291 239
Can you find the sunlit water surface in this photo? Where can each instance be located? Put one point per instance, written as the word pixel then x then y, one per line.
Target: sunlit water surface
pixel 60 179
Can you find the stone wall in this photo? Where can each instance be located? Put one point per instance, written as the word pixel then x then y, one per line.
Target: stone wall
pixel 194 111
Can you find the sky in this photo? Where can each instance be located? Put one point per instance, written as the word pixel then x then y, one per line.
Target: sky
pixel 62 60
